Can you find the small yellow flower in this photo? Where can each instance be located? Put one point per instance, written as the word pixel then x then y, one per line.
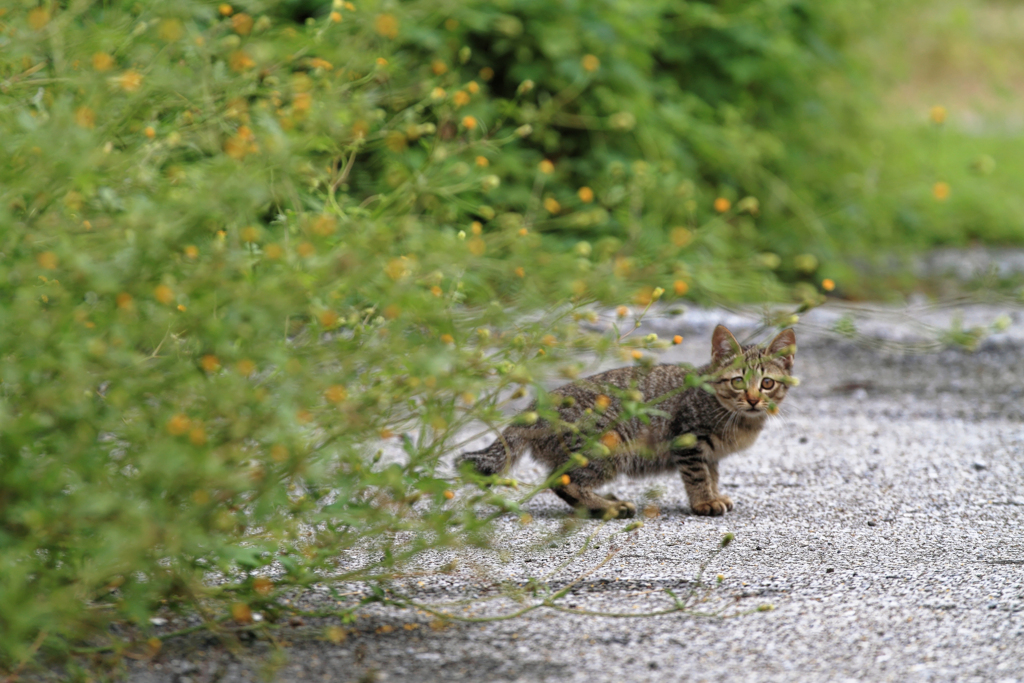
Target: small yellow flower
pixel 124 301
pixel 469 122
pixel 590 63
pixel 940 191
pixel 602 402
pixel 449 495
pixel 546 167
pixel 163 294
pixel 381 61
pixel 644 296
pixel 678 339
pixel 386 25
pixel 461 98
pixel 551 205
pixel 523 232
pixel 473 87
pixel 197 435
pixel 210 363
pixel 241 24
pixel 611 439
pixel 130 80
pixel 181 308
pixel 436 291
pixel 318 63
pixel 519 271
pixel 447 339
pixel 722 205
pixel 680 287
pixel 438 67
pixel 150 132
pixel 336 393
pixel 329 319
pixel 262 585
pixel 828 284
pixel 273 251
pixel 225 9
pixel 245 367
pixel 487 73
pixel 38 17
pixel 938 114
pixel 476 227
pixel 47 260
pixel 564 479
pixel 241 613
pixel 438 94
pixel 178 425
pixel 585 194
pixel 482 162
pixel 336 17
pixel 637 354
pixel 239 61
pixel 622 311
pixel 101 61
pixel 306 249
pixel 680 236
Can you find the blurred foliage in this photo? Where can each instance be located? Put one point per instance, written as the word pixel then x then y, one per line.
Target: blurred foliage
pixel 245 245
pixel 943 159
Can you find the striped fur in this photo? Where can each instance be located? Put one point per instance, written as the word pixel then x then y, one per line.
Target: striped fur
pixel 747 383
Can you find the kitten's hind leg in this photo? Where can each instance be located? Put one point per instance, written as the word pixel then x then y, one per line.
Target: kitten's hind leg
pixel 596 506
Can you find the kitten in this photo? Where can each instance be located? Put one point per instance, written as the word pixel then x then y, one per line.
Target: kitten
pixel 690 430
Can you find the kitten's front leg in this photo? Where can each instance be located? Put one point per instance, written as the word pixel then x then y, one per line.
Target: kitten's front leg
pixel 701 480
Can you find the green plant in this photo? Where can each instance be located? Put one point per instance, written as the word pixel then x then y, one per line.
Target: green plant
pixel 261 264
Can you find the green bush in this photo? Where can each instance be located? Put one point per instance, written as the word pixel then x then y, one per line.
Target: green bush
pixel 245 245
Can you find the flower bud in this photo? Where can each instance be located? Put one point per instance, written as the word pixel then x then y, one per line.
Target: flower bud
pixel 685 441
pixel 526 419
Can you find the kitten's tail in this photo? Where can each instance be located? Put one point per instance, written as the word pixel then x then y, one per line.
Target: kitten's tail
pixel 500 456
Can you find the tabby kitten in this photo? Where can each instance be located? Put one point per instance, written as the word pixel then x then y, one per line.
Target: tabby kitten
pixel 690 431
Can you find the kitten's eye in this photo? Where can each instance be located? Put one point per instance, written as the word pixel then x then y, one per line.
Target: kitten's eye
pixel 737 383
pixel 767 383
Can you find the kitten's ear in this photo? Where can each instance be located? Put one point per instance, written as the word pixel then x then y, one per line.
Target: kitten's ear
pixel 723 344
pixel 785 345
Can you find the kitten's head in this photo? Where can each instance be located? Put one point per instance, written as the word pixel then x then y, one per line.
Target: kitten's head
pixel 751 380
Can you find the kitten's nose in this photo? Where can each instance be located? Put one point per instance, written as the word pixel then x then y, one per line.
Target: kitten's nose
pixel 753 396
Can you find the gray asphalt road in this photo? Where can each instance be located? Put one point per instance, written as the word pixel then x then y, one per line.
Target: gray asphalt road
pixel 880 517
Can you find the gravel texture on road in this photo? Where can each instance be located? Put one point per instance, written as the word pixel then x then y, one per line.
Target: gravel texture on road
pixel 880 519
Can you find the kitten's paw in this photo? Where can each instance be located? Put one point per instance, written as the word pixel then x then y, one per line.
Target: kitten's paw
pixel 619 509
pixel 713 507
